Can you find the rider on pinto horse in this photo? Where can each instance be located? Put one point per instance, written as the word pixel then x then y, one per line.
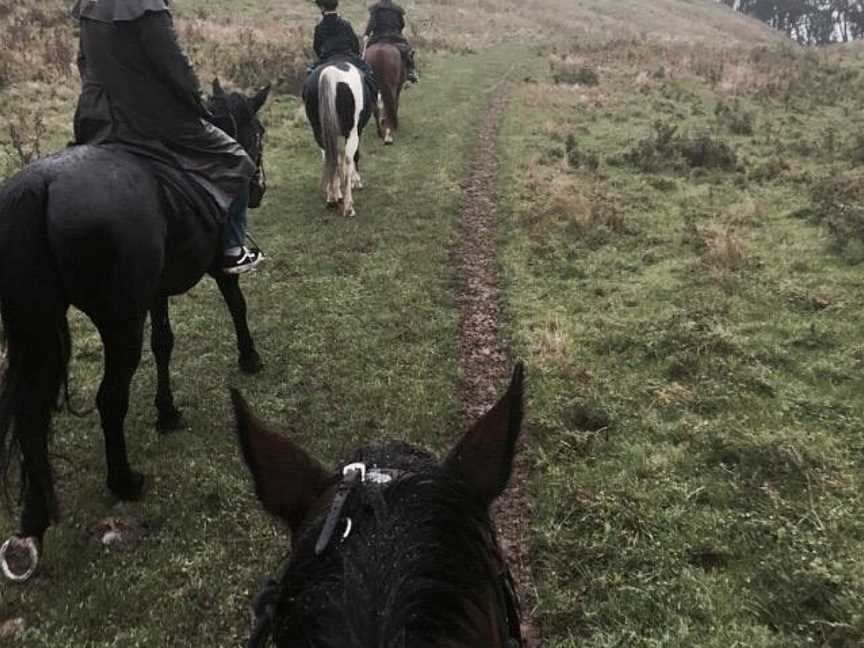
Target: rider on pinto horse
pixel 139 92
pixel 335 38
pixel 386 22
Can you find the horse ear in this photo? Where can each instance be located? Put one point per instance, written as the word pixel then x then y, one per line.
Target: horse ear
pixel 217 88
pixel 260 97
pixel 288 481
pixel 483 459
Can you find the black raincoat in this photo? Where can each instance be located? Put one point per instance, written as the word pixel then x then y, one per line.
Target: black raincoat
pixel 334 36
pixel 138 90
pixel 385 19
pixel 386 22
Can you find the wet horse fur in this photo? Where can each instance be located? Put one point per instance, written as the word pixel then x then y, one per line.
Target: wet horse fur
pixel 391 75
pixel 88 227
pixel 421 567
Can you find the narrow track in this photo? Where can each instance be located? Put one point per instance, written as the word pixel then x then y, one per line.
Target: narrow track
pixel 485 357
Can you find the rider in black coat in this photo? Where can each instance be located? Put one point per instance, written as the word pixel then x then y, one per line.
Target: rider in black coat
pixel 139 90
pixel 335 38
pixel 386 22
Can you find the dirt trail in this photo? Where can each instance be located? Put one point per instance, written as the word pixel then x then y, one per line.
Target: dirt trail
pixel 485 358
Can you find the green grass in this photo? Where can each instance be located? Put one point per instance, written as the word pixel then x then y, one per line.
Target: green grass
pixel 358 326
pixel 696 360
pixel 692 335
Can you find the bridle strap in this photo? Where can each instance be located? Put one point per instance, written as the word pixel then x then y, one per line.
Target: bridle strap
pixel 508 611
pixel 353 475
pixel 350 479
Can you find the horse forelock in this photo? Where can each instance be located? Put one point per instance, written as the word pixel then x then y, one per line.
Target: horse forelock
pixel 228 106
pixel 416 565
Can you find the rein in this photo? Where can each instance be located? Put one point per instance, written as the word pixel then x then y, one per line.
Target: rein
pixel 260 177
pixel 354 475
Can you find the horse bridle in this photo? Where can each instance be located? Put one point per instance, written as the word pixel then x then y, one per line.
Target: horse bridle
pixel 260 176
pixel 354 475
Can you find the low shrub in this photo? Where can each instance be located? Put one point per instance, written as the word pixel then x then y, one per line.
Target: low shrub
pixel 735 119
pixel 568 73
pixel 770 170
pixel 577 158
pixel 837 201
pixel 667 150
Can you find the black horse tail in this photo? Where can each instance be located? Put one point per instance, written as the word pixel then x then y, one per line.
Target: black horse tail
pixel 331 129
pixel 35 334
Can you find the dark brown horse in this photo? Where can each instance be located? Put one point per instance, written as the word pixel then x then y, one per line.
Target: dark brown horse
pixel 391 75
pixel 393 549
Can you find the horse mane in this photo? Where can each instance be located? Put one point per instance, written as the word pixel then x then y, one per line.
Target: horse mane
pixel 224 107
pixel 414 567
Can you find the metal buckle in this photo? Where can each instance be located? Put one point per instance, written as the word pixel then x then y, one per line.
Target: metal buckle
pixel 355 467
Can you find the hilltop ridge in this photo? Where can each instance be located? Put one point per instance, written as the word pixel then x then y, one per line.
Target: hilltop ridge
pixel 487 22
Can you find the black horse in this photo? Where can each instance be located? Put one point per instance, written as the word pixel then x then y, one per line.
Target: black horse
pixel 394 549
pixel 90 227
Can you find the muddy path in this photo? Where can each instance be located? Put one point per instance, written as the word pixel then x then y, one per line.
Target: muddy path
pixel 486 360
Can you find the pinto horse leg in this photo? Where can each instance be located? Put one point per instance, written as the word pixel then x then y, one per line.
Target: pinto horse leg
pixel 328 183
pixel 348 173
pixel 229 285
pixel 122 342
pixel 169 418
pixel 356 180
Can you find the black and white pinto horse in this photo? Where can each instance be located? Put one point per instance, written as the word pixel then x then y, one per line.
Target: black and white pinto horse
pixel 338 106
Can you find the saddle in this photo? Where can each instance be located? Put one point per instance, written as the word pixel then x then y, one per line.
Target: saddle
pixel 193 218
pixel 366 72
pixel 180 192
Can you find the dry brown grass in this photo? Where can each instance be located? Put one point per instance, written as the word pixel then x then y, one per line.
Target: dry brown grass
pixel 731 70
pixel 267 40
pixel 723 248
pixel 552 342
pixel 36 43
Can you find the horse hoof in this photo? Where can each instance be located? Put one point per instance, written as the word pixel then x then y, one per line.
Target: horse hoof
pixel 172 421
pixel 129 489
pixel 332 204
pixel 19 558
pixel 388 141
pixel 251 363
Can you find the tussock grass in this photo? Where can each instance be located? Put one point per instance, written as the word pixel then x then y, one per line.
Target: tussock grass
pixel 697 377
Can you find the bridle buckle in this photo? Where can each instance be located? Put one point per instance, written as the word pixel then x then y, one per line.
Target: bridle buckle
pixel 354 467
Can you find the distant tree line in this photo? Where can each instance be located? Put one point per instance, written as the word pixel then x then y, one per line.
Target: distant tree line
pixel 810 22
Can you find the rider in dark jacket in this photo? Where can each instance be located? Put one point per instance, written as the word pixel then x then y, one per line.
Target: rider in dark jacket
pixel 386 22
pixel 335 38
pixel 139 90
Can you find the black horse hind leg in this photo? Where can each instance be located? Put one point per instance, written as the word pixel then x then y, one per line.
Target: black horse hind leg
pixel 122 342
pixel 169 418
pixel 33 422
pixel 229 285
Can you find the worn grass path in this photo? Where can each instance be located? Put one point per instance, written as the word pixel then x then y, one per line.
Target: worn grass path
pixel 359 326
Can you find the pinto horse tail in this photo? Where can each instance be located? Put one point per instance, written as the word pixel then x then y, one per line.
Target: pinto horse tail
pixel 331 129
pixel 36 339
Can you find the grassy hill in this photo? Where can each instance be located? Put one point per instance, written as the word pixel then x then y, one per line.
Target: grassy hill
pixel 682 233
